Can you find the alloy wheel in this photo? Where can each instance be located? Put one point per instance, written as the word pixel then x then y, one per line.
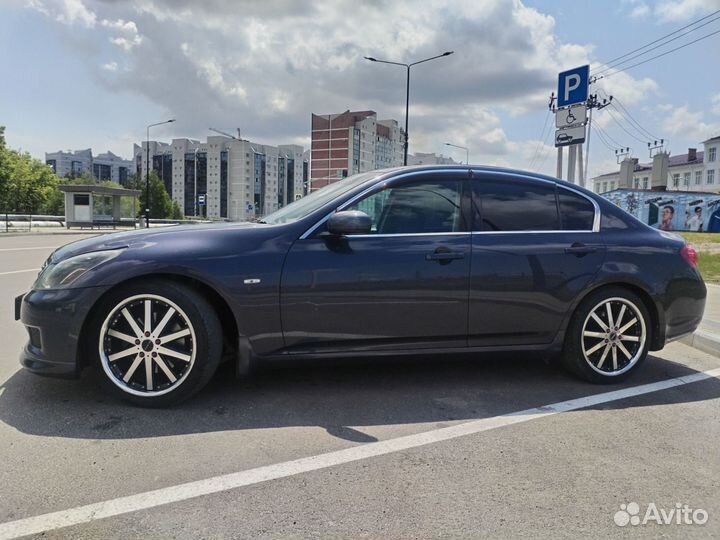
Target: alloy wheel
pixel 147 345
pixel 613 336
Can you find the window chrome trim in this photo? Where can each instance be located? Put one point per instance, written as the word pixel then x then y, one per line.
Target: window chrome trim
pixel 553 231
pixel 379 186
pixel 521 176
pixel 392 235
pixel 383 184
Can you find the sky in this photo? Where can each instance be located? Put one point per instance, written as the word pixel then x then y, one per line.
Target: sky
pixel 95 73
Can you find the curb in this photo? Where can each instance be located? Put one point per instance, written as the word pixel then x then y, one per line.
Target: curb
pixel 703 341
pixel 54 233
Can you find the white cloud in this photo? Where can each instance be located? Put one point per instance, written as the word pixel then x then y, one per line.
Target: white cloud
pixel 682 10
pixel 716 104
pixel 72 12
pixel 126 43
pixel 110 66
pixel 690 125
pixel 267 65
pixel 129 36
pixel 631 91
pixel 123 26
pixel 68 12
pixel 38 6
pixel 640 11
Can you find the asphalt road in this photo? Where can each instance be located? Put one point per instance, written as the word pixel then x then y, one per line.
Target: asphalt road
pixel 549 472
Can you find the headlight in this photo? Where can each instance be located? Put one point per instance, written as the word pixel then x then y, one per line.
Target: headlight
pixel 65 273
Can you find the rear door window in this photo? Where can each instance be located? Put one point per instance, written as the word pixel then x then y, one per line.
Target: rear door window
pixel 577 213
pixel 509 205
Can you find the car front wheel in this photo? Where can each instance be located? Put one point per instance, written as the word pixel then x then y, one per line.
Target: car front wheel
pixel 157 342
pixel 608 336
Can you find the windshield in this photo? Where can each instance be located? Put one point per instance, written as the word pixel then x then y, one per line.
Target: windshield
pixel 317 199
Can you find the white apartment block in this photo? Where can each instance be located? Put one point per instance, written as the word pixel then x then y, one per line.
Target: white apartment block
pixel 238 179
pixel 107 166
pixel 694 171
pixel 423 158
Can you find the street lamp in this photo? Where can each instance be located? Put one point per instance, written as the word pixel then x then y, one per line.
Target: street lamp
pixel 467 152
pixel 147 170
pixel 407 88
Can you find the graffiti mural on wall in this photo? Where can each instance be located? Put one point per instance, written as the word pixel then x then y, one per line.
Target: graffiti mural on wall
pixel 671 210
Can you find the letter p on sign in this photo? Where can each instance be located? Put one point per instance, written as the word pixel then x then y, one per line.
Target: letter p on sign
pixel 573 86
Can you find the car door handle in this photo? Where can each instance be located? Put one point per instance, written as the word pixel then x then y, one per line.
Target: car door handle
pixel 445 255
pixel 580 249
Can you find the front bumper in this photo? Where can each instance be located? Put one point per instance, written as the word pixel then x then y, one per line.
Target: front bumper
pixel 54 320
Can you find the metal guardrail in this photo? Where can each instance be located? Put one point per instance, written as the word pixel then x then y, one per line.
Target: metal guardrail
pixel 29 222
pixel 26 222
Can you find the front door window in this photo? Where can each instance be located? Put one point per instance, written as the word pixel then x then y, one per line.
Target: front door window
pixel 421 207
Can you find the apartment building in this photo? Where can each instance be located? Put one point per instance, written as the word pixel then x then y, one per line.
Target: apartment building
pixel 225 177
pixel 347 143
pixel 107 166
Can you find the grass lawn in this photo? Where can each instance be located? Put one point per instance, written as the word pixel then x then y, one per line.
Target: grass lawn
pixel 708 248
pixel 700 238
pixel 710 267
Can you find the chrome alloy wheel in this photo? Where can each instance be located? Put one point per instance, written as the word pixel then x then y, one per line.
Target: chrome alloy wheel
pixel 613 336
pixel 147 345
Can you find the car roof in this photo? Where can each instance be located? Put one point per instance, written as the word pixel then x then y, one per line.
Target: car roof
pixel 395 171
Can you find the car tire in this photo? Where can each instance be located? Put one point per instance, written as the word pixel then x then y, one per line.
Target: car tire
pixel 162 362
pixel 606 345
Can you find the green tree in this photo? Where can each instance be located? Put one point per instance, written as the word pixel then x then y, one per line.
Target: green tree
pixel 27 185
pixel 161 206
pixel 176 212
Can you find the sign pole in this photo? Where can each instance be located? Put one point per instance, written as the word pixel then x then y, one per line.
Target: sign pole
pixel 572 152
pixel 559 169
pixel 581 176
pixel 587 148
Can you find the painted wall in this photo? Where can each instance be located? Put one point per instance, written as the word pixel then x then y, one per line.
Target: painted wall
pixel 671 210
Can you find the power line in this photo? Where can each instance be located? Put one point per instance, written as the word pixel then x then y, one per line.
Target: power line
pixel 541 140
pixel 545 156
pixel 602 138
pixel 609 66
pixel 632 126
pixel 661 38
pixel 623 127
pixel 661 55
pixel 631 118
pixel 609 138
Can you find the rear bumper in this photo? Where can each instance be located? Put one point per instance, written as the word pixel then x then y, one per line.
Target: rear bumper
pixel 685 309
pixel 54 320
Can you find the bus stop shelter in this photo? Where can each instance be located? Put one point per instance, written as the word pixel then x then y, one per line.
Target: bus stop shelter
pixel 97 206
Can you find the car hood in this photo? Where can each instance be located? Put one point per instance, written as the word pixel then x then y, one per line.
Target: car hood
pixel 144 237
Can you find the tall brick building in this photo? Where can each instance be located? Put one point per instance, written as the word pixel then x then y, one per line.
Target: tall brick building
pixel 351 142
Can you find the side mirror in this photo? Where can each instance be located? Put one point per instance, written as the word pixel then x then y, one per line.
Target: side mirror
pixel 349 222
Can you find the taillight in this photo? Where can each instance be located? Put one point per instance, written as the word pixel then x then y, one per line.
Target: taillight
pixel 690 255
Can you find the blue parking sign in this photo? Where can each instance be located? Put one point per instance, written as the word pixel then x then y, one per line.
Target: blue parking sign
pixel 573 86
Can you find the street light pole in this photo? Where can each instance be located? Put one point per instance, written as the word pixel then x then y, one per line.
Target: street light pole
pixel 147 170
pixel 407 114
pixel 407 88
pixel 467 152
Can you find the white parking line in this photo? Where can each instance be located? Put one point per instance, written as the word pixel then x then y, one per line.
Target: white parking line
pixel 217 484
pixel 19 271
pixel 28 248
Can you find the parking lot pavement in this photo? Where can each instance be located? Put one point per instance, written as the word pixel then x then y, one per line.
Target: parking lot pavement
pixel 561 475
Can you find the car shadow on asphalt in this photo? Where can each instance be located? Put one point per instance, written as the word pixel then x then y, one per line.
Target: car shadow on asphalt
pixel 334 396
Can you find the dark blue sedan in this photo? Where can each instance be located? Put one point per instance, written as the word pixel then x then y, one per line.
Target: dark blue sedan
pixel 405 261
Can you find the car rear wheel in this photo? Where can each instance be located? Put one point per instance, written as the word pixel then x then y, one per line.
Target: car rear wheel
pixel 608 336
pixel 157 343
